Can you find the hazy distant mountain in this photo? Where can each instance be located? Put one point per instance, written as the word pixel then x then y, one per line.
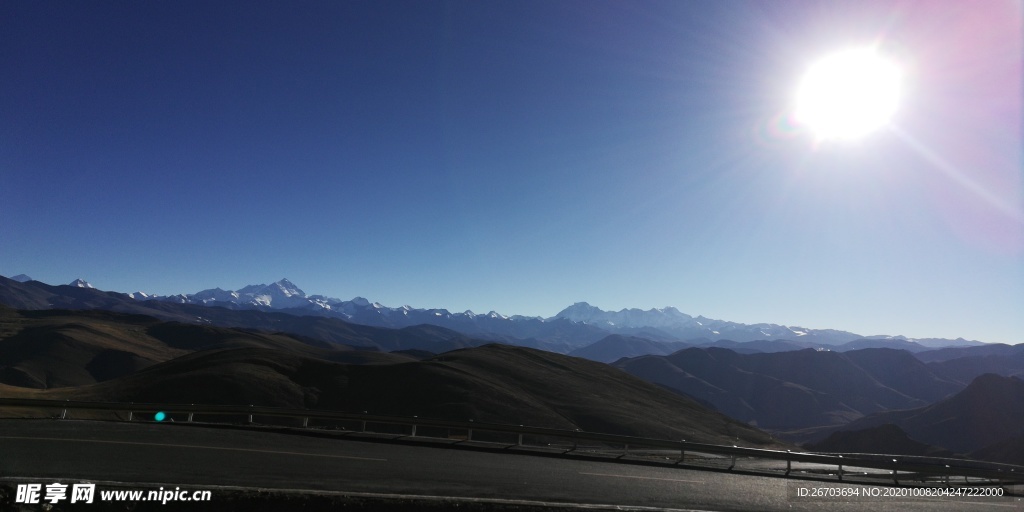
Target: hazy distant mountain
pixel 22 278
pixel 686 327
pixel 902 344
pixel 768 346
pixel 614 347
pixel 927 342
pixel 797 389
pixel 991 349
pixel 1008 363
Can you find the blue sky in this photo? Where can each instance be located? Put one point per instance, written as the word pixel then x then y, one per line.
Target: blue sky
pixel 519 156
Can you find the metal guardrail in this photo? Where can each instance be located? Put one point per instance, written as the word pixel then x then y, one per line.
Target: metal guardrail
pixel 898 467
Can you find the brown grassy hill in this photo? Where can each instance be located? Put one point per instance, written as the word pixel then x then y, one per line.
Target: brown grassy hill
pixel 493 383
pixel 58 348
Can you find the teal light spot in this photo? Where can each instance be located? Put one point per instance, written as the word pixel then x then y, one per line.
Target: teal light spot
pixel 160 416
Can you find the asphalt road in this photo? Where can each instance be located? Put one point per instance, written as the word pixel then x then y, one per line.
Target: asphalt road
pixel 154 455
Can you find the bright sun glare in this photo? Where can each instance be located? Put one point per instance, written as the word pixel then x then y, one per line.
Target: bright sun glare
pixel 848 94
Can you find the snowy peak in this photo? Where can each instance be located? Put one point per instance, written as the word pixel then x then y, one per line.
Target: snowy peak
pixel 582 312
pixel 625 318
pixel 81 283
pixel 279 295
pixel 287 289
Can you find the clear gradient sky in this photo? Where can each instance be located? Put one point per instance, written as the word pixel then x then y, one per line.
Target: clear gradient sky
pixel 520 156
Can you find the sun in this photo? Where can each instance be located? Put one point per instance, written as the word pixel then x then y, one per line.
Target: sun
pixel 849 94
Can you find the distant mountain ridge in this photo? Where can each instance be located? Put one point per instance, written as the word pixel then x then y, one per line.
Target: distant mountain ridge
pixel 685 327
pixel 574 327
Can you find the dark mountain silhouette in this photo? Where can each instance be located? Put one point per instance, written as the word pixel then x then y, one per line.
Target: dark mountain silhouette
pixel 1007 451
pixel 989 411
pixel 795 389
pixel 888 439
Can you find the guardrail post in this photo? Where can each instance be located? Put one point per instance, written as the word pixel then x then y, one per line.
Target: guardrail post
pixel 840 468
pixel 305 422
pixel 625 451
pixel 131 413
pixel 250 413
pixel 682 452
pixel 362 424
pixel 64 414
pixel 413 434
pixel 190 417
pixel 789 462
pixel 945 477
pixel 895 479
pixel 733 460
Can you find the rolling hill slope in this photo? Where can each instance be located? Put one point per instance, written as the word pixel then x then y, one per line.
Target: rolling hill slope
pixel 795 389
pixel 494 383
pixel 59 348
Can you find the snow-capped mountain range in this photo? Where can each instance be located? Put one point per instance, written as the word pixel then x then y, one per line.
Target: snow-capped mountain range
pixel 575 326
pixel 681 326
pixel 665 324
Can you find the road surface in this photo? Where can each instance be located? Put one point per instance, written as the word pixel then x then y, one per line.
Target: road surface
pixel 153 455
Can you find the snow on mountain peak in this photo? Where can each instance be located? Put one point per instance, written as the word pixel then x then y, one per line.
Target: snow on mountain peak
pixel 289 289
pixel 81 283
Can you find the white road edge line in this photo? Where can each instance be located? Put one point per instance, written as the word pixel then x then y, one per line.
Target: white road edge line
pixel 196 446
pixel 644 477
